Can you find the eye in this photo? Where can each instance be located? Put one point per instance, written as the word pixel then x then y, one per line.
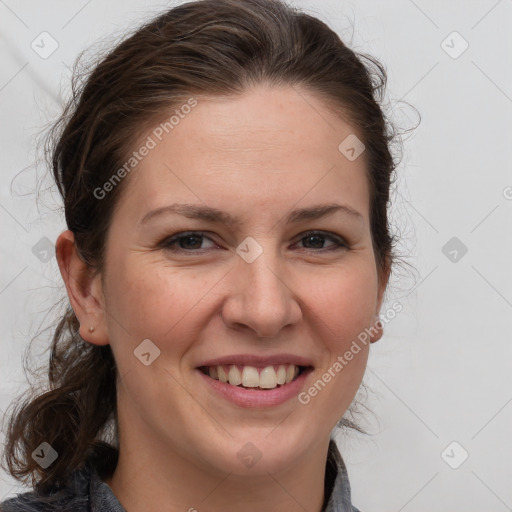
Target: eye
pixel 317 239
pixel 186 242
pixel 189 242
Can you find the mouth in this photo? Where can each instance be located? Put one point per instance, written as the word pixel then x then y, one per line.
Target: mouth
pixel 257 378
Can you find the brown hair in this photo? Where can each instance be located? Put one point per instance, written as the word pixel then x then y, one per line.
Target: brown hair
pixel 206 47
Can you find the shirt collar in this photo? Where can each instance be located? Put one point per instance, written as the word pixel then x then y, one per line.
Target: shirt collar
pixel 339 497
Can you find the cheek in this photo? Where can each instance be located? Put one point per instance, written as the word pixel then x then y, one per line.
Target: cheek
pixel 344 306
pixel 150 302
pixel 345 301
pixel 171 306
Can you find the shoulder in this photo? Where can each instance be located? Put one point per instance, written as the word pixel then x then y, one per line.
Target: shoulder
pixel 73 498
pixel 32 502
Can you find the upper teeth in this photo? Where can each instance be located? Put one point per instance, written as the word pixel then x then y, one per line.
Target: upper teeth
pixel 250 377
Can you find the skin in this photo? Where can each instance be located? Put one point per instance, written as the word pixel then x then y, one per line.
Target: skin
pixel 257 156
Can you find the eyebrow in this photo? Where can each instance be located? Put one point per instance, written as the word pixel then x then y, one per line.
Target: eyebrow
pixel 206 213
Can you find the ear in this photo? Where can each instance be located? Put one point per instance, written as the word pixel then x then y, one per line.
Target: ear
pixel 378 329
pixel 84 289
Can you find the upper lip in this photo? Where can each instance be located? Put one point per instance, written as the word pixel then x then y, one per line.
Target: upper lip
pixel 257 361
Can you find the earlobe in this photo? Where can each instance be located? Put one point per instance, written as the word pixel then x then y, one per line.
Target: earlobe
pixel 377 330
pixel 84 290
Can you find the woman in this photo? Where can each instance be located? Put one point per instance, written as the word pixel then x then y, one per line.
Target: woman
pixel 225 173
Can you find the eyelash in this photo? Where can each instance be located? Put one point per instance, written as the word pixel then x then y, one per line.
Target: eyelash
pixel 170 242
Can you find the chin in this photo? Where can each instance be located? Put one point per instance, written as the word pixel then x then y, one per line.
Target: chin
pixel 257 454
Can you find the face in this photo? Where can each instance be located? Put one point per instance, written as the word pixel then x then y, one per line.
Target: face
pixel 261 291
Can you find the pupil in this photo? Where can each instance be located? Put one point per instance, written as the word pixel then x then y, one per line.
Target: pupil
pixel 317 237
pixel 188 238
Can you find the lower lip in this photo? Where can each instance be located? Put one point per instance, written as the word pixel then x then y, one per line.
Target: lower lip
pixel 251 397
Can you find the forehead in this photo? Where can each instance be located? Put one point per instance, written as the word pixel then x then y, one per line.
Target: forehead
pixel 267 147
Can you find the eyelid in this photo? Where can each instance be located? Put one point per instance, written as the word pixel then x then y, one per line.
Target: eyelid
pixel 339 241
pixel 167 241
pixel 326 234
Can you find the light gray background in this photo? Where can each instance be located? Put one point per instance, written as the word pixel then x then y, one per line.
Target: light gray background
pixel 442 371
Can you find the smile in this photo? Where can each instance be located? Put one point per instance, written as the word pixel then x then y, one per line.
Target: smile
pixel 268 377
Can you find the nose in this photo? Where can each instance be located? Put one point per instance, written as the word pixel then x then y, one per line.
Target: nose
pixel 260 297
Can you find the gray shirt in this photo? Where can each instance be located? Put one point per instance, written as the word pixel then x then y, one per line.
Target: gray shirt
pixel 87 492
